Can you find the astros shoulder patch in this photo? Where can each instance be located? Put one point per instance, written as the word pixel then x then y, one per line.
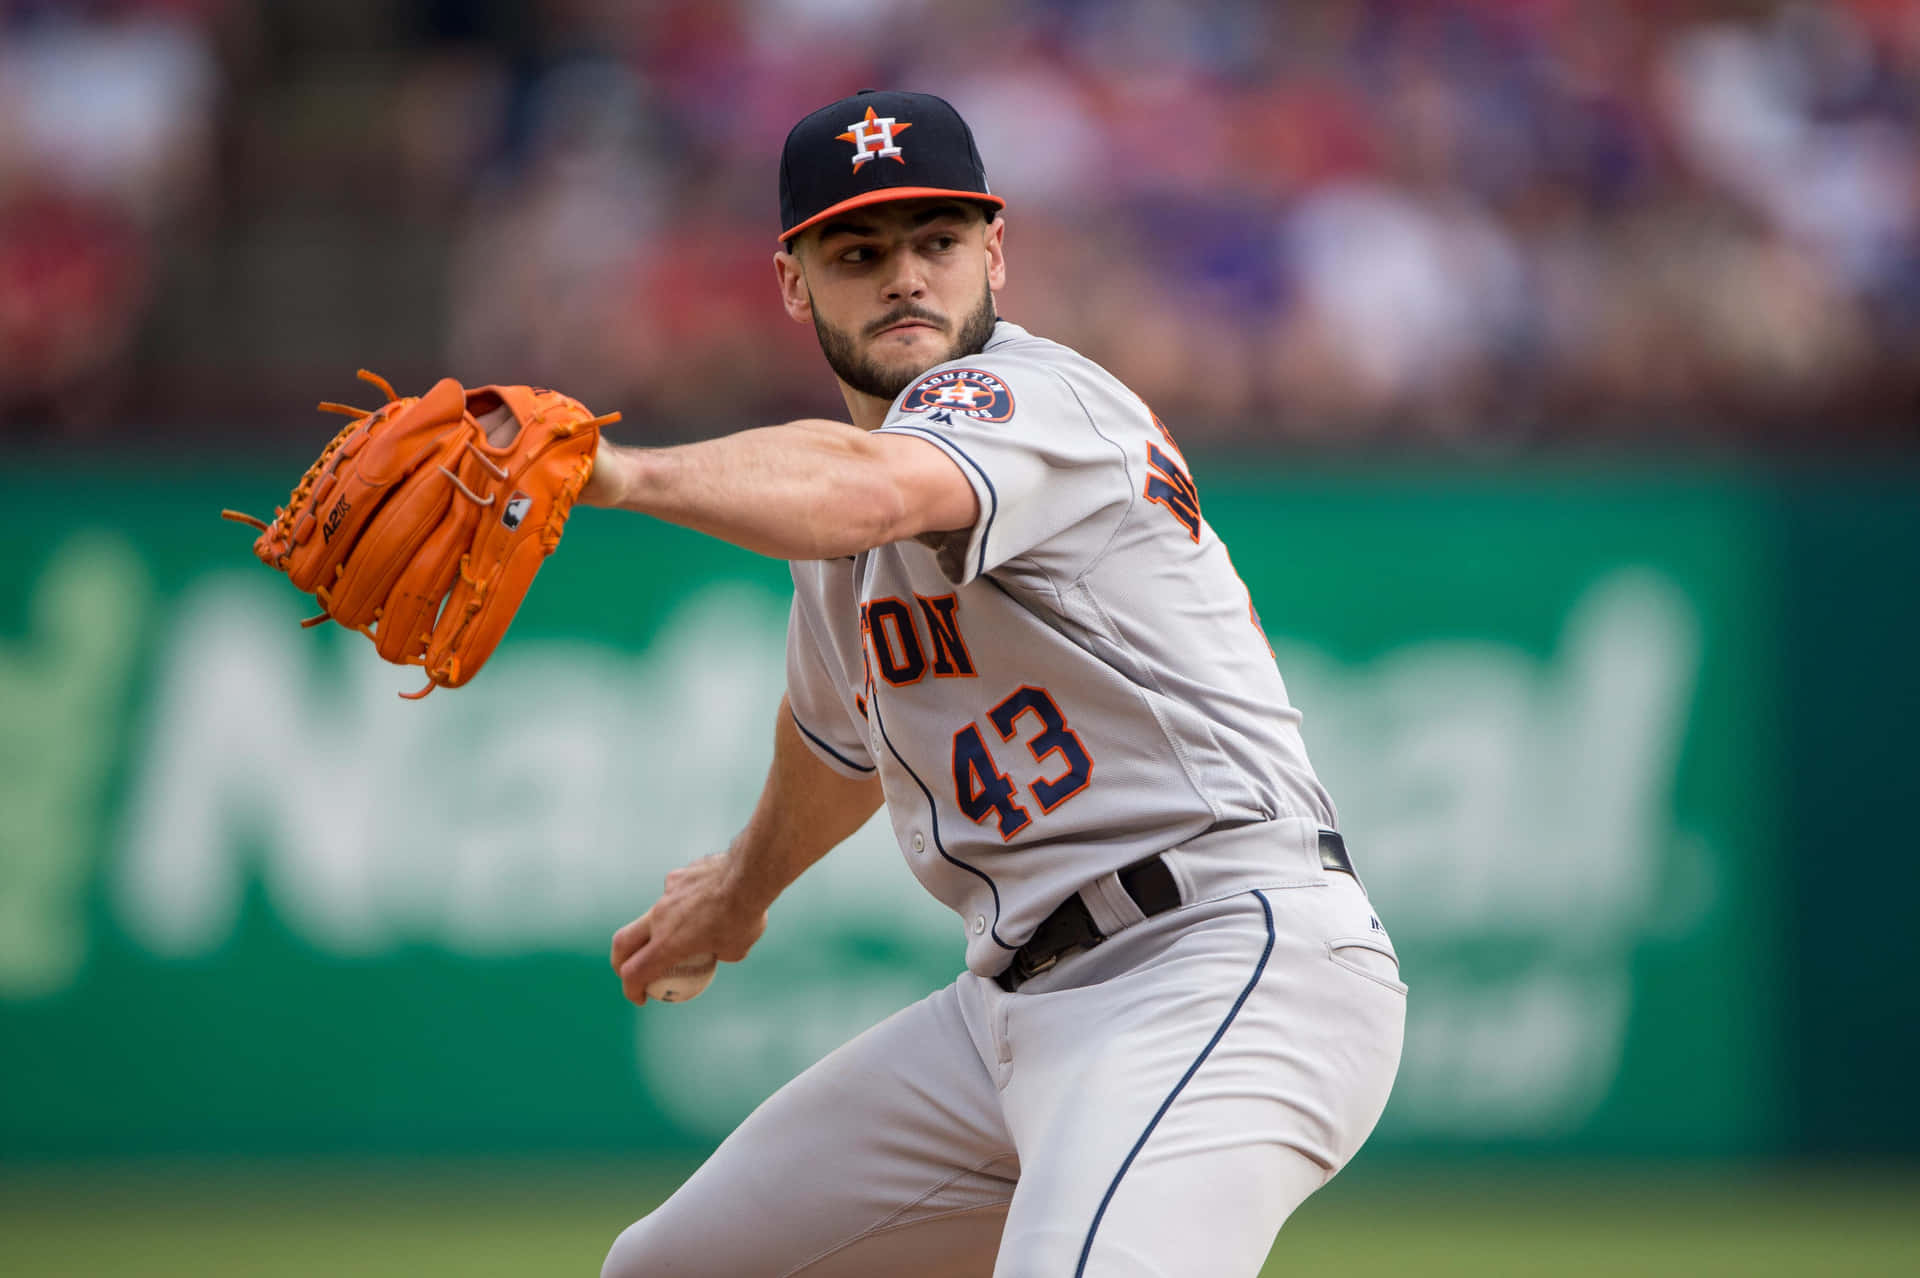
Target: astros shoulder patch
pixel 967 392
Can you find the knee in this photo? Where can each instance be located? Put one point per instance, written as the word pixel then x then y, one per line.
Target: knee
pixel 634 1253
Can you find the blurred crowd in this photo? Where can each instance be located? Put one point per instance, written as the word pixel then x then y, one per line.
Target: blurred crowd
pixel 1463 223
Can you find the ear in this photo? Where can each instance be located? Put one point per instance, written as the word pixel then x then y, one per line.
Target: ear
pixel 794 294
pixel 996 254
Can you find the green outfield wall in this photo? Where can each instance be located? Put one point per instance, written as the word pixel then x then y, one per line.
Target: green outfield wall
pixel 1625 757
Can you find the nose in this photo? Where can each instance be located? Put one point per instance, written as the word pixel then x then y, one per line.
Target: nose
pixel 906 279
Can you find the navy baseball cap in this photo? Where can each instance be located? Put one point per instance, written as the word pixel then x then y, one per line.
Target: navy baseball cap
pixel 859 151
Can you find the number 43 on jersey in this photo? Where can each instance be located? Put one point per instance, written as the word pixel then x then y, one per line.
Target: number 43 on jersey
pixel 982 790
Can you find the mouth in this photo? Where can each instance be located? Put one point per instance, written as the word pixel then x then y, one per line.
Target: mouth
pixel 906 326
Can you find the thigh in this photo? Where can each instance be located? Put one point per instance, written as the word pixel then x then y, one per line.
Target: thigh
pixel 889 1156
pixel 1173 1111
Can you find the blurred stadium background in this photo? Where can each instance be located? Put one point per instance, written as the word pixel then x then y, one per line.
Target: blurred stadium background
pixel 1553 369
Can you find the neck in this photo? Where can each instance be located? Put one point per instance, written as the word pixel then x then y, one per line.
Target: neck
pixel 868 412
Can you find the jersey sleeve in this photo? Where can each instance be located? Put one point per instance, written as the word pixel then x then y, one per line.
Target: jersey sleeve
pixel 814 697
pixel 1041 469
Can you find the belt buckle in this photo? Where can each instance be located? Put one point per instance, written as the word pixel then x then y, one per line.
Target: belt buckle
pixel 1031 969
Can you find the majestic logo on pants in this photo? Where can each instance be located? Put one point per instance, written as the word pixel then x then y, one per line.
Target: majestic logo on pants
pixel 873 138
pixel 966 391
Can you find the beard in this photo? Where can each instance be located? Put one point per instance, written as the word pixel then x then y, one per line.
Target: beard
pixel 870 377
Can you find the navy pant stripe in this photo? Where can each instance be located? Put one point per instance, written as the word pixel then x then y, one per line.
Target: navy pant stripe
pixel 1087 1247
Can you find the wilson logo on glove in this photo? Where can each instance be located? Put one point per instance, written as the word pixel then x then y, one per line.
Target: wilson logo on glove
pixel 403 556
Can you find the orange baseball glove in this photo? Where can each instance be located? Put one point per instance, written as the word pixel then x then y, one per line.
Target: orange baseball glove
pixel 423 523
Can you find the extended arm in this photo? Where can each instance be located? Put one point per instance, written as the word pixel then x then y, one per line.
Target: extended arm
pixel 805 490
pixel 719 904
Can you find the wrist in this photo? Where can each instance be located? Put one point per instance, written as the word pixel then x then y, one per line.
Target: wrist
pixel 611 483
pixel 747 878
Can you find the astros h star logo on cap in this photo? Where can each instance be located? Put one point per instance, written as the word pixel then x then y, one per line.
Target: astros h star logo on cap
pixel 873 138
pixel 819 180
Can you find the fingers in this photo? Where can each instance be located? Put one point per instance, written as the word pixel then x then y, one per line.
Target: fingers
pixel 630 939
pixel 499 426
pixel 694 915
pixel 643 969
pixel 653 960
pixel 642 955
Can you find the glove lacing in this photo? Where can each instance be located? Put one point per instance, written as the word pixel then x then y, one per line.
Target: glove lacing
pixel 550 531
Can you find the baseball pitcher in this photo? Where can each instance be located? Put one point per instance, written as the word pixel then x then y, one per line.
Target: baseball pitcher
pixel 1013 627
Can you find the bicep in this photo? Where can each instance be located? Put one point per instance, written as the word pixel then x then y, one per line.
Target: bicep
pixel 936 496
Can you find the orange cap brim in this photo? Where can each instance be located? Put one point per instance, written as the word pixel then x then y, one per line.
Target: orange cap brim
pixel 886 195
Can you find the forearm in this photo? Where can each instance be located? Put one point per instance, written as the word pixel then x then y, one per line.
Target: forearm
pixel 804 490
pixel 806 810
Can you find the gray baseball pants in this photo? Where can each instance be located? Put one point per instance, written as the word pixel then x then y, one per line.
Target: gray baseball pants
pixel 1157 1105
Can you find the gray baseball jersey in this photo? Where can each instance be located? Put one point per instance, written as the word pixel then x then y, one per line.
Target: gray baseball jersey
pixel 1076 682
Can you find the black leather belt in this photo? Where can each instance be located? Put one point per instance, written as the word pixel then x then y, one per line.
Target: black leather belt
pixel 1071 929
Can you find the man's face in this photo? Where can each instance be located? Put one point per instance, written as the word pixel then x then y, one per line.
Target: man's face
pixel 896 288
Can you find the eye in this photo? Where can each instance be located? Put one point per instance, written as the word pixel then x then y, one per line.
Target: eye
pixel 944 241
pixel 857 254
